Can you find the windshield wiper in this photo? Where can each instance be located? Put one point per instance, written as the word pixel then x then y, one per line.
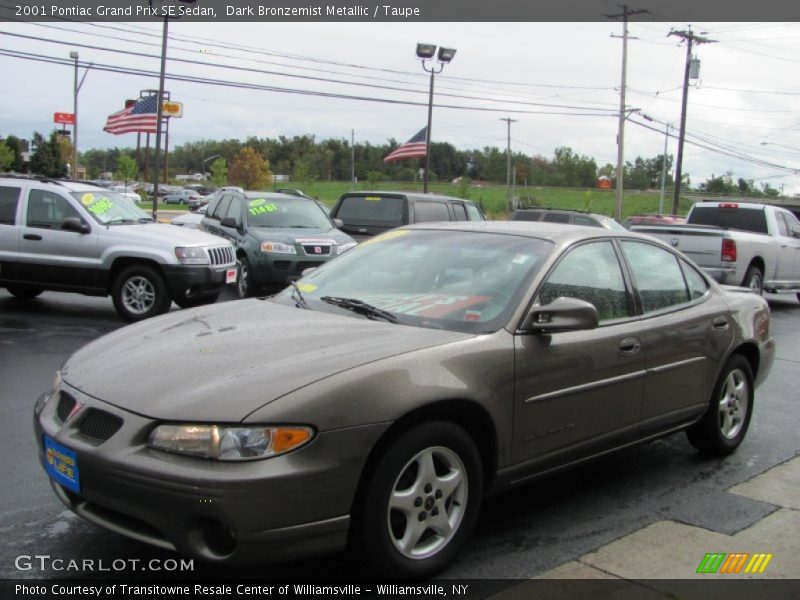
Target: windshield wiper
pixel 360 307
pixel 144 220
pixel 119 221
pixel 297 296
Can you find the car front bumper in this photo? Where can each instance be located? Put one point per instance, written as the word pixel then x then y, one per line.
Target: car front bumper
pixel 280 508
pixel 185 281
pixel 280 269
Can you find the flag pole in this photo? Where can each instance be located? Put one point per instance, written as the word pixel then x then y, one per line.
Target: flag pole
pixel 159 115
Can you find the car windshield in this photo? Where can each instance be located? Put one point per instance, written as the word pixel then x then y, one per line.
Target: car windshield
pixel 109 208
pixel 384 210
pixel 461 281
pixel 299 213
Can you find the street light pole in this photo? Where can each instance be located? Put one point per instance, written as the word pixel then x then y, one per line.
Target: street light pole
pixel 159 115
pixel 663 173
pixel 74 56
pixel 509 195
pixel 425 52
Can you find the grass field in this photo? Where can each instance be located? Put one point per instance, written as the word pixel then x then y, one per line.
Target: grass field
pixel 493 197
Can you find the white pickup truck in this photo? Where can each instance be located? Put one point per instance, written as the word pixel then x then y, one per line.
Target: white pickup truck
pixel 744 244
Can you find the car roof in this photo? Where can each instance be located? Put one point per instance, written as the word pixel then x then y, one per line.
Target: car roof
pixel 416 196
pixel 556 232
pixel 276 196
pixel 566 211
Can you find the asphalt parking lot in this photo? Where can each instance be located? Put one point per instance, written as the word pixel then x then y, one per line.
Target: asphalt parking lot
pixel 521 534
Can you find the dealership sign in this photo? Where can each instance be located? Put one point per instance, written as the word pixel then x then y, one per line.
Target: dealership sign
pixel 64 118
pixel 172 109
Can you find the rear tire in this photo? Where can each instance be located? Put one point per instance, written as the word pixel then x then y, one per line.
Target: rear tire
pixel 730 408
pixel 754 279
pixel 420 502
pixel 22 292
pixel 139 292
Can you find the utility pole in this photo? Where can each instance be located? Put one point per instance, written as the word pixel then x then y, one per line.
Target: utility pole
pixel 690 39
pixel 626 12
pixel 664 174
pixel 509 197
pixel 353 158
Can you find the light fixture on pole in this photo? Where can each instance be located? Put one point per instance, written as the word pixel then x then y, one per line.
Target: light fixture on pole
pixel 203 166
pixel 426 52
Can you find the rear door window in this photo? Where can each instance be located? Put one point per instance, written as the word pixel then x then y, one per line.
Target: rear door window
pixel 657 276
pixel 368 210
pixel 474 213
pixel 426 212
pixel 586 221
pixel 460 211
pixel 556 218
pixel 9 199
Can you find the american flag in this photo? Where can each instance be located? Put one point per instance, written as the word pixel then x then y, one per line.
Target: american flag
pixel 139 118
pixel 413 148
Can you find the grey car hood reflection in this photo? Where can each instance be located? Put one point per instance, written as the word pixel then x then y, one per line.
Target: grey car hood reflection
pixel 220 363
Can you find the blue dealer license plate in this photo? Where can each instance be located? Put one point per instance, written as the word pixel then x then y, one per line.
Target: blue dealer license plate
pixel 61 464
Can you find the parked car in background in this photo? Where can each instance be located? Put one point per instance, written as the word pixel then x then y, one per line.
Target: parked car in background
pixel 191 220
pixel 126 192
pixel 365 214
pixel 196 203
pixel 652 219
pixel 374 404
pixel 737 243
pixel 72 237
pixel 276 236
pixel 573 217
pixel 183 196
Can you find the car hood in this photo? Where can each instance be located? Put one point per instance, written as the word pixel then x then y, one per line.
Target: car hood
pixel 220 363
pixel 163 234
pixel 297 235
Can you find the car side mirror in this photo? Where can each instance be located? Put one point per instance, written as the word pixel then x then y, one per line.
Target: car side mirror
pixel 338 223
pixel 75 224
pixel 232 223
pixel 562 314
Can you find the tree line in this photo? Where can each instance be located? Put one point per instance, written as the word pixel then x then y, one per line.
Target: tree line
pixel 303 158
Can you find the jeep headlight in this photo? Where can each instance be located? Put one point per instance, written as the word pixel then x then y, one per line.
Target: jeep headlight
pixel 278 248
pixel 191 255
pixel 229 442
pixel 345 247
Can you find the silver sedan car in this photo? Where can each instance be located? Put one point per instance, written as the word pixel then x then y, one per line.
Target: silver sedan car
pixel 377 401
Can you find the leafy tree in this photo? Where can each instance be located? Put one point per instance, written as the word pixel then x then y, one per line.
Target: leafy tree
pixel 15 144
pixel 46 158
pixel 7 157
pixel 250 169
pixel 719 185
pixel 219 172
pixel 374 178
pixel 126 169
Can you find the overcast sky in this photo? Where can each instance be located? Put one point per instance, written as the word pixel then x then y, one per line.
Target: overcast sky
pixel 747 92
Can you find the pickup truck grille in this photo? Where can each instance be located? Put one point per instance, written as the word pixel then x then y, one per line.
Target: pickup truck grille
pixel 221 256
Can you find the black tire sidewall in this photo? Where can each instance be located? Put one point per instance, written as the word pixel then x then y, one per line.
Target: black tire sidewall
pixel 372 535
pixel 197 300
pixel 749 276
pixel 706 435
pixel 163 298
pixel 244 264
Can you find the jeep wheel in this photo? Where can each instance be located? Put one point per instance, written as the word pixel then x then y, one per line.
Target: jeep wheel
pixel 23 292
pixel 139 292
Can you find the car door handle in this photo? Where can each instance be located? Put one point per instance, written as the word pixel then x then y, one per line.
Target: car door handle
pixel 630 346
pixel 32 236
pixel 720 323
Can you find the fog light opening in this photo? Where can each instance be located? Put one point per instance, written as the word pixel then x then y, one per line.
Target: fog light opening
pixel 214 537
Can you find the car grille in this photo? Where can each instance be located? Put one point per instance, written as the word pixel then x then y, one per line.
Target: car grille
pixel 220 256
pixel 65 405
pixel 99 425
pixel 317 249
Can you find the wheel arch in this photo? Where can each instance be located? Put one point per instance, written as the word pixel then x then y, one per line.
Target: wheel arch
pixel 467 414
pixel 124 262
pixel 751 354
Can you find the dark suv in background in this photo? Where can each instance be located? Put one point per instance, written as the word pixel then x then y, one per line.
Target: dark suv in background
pixel 276 236
pixel 365 214
pixel 573 217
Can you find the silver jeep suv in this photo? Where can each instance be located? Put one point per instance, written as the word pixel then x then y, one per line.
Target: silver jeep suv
pixel 75 237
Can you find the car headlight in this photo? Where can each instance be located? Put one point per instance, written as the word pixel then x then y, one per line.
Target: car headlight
pixel 191 256
pixel 229 443
pixel 278 248
pixel 345 247
pixel 38 407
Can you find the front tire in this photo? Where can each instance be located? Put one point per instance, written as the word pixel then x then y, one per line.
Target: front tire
pixel 754 279
pixel 22 292
pixel 727 419
pixel 421 501
pixel 244 280
pixel 139 292
pixel 197 300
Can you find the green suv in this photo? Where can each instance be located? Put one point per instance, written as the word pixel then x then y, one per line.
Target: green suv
pixel 276 236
